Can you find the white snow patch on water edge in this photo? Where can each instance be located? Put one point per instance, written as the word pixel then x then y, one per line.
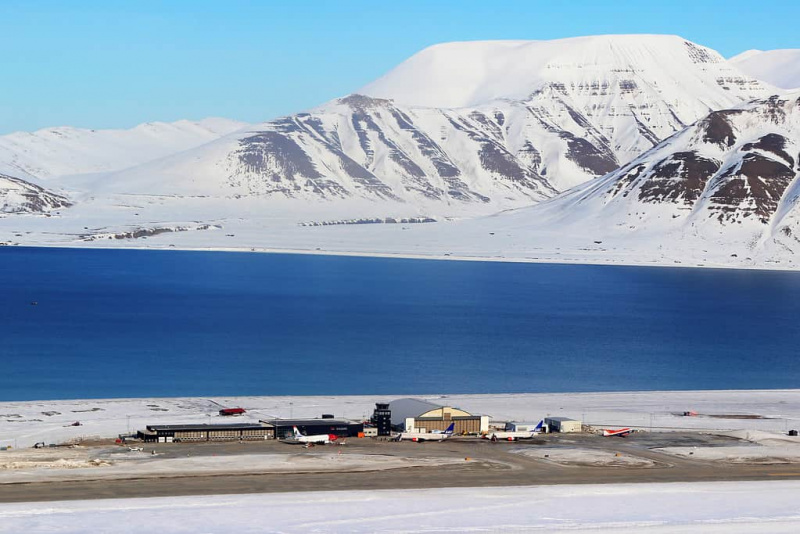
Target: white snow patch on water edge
pixel 24 423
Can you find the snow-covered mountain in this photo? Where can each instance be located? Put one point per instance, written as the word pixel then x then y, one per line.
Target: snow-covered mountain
pixel 632 89
pixel 659 146
pixel 780 68
pixel 20 196
pixel 64 151
pixel 506 123
pixel 729 178
pixel 357 147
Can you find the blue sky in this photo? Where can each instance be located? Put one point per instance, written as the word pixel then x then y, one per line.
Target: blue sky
pixel 116 64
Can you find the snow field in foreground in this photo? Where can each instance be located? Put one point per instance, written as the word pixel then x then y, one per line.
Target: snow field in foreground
pixel 683 507
pixel 23 466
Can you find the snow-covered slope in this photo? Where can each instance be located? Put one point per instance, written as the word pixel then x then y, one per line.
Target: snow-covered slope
pixel 63 151
pixel 20 196
pixel 780 68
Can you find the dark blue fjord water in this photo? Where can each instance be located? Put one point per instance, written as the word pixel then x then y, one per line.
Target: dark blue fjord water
pixel 117 323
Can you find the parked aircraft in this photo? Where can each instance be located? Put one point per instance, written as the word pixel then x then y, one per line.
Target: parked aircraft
pixel 506 435
pixel 427 436
pixel 620 432
pixel 316 439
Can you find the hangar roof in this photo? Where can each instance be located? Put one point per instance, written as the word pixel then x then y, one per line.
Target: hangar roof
pixel 405 408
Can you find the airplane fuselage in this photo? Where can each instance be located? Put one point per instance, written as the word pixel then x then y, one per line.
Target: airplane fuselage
pixel 510 436
pixel 422 436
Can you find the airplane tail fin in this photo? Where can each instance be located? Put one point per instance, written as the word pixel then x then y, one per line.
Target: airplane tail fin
pixel 539 427
pixel 450 429
pixel 297 433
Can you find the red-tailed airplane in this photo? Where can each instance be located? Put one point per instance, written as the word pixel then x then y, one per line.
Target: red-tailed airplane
pixel 317 439
pixel 620 432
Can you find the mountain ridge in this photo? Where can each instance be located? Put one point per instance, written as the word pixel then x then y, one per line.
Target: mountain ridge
pixel 580 131
pixel 65 150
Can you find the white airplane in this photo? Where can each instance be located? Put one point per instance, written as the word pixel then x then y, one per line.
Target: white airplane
pixel 419 437
pixel 515 435
pixel 317 439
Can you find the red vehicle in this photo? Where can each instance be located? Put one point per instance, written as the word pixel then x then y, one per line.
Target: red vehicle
pixel 232 411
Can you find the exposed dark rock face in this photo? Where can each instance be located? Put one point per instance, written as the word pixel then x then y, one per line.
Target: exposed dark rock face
pixel 699 54
pixel 681 177
pixel 773 143
pixel 754 187
pixel 20 196
pixel 372 220
pixel 625 179
pixel 488 125
pixel 597 160
pixel 717 130
pixel 277 158
pixel 494 157
pixel 530 156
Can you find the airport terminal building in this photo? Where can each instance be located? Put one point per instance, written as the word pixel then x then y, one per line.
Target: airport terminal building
pixel 284 428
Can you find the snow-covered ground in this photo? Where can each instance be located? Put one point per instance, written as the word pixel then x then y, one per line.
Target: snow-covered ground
pixel 729 507
pixel 24 423
pixel 37 465
pixel 253 225
pixel 766 448
pixel 586 457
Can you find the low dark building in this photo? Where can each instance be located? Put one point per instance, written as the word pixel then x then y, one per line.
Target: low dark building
pixel 310 427
pixel 204 432
pixel 382 419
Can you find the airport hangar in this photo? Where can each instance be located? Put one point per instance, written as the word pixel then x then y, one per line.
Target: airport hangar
pixel 206 432
pixel 415 415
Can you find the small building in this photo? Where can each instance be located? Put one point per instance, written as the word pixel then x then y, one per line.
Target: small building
pixel 206 432
pixel 232 411
pixel 562 424
pixel 415 415
pixel 284 428
pixel 370 432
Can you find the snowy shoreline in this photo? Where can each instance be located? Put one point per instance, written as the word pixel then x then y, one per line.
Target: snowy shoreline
pixel 23 423
pixel 435 257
